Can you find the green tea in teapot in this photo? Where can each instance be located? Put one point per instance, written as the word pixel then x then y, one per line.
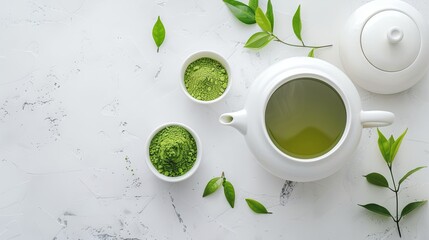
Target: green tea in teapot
pixel 305 118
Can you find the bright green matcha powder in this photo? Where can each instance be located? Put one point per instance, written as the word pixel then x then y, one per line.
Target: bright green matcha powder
pixel 173 151
pixel 206 79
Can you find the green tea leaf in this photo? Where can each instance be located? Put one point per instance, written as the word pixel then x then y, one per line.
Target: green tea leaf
pixel 411 206
pixel 384 146
pixel 262 20
pixel 270 14
pixel 395 146
pixel 228 189
pixel 257 207
pixel 296 24
pixel 408 174
pixel 391 140
pixel 377 179
pixel 212 186
pixel 311 53
pixel 259 40
pixel 377 209
pixel 158 33
pixel 241 11
pixel 253 4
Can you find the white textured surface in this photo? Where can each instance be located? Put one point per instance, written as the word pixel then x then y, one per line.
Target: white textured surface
pixel 81 88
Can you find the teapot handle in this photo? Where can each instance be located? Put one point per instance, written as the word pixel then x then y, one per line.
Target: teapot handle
pixel 376 118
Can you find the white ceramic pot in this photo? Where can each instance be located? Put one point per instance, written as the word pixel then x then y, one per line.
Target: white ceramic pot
pixel 250 121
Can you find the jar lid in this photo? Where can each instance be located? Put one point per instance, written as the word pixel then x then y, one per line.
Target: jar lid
pixel 384 46
pixel 390 41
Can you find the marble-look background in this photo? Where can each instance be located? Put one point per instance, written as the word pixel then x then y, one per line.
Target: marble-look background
pixel 82 87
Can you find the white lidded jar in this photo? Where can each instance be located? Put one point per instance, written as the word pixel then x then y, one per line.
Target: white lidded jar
pixel 384 46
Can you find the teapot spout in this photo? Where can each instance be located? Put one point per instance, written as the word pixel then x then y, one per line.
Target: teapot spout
pixel 236 119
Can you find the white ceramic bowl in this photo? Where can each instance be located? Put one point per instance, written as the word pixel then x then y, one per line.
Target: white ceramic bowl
pixel 205 54
pixel 194 167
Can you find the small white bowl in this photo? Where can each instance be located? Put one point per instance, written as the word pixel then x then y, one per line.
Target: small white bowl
pixel 205 54
pixel 194 167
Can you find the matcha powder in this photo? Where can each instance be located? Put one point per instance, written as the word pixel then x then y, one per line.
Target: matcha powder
pixel 173 151
pixel 206 79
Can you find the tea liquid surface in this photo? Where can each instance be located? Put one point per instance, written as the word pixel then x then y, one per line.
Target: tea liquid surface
pixel 305 118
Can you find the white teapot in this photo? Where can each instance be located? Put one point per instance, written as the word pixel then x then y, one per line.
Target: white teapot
pixel 266 143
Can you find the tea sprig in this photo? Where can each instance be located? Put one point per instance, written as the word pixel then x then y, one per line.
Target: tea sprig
pixel 228 189
pixel 214 184
pixel 250 14
pixel 389 148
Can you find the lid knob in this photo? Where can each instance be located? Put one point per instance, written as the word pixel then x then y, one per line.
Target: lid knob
pixel 395 35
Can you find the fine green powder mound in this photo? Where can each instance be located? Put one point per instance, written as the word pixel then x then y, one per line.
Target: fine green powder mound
pixel 173 151
pixel 206 79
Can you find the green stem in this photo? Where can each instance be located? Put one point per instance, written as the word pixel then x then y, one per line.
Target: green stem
pixel 396 197
pixel 299 46
pixel 399 229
